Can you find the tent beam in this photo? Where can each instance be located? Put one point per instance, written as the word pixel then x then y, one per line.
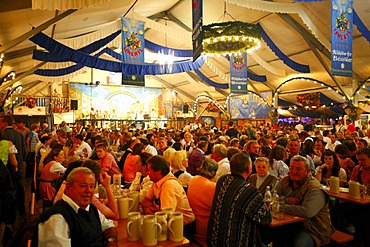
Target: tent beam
pixel 23 75
pixel 19 53
pixel 167 84
pixel 35 30
pixel 314 45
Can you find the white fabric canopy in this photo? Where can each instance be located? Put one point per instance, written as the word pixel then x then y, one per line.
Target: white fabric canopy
pixel 66 4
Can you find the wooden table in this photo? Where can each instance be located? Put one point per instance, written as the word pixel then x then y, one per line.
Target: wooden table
pixel 288 219
pixel 345 196
pixel 123 241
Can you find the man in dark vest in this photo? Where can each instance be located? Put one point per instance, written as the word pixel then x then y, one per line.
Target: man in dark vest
pixel 6 124
pixel 74 221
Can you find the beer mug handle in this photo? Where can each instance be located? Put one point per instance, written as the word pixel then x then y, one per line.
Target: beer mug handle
pixel 159 229
pixel 128 228
pixel 130 203
pixel 364 189
pixel 170 226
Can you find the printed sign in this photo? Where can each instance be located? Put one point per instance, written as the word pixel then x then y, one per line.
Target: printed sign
pixel 341 37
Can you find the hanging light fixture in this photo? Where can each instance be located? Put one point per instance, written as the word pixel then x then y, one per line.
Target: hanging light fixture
pixel 231 37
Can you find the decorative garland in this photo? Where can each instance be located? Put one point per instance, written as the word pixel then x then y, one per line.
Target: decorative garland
pixel 31 102
pixel 353 112
pixel 230 37
pixel 274 115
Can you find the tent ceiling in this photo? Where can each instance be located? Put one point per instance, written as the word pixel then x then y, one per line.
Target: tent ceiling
pixel 288 32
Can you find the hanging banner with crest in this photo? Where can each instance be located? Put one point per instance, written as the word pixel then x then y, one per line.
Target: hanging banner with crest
pixel 197 36
pixel 341 37
pixel 238 73
pixel 133 44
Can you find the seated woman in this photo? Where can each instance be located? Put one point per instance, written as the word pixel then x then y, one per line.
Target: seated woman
pixel 110 211
pixel 344 161
pixel 330 167
pixel 262 178
pixel 201 190
pixel 277 156
pixel 168 153
pixel 51 174
pixel 130 165
pixel 142 181
pixel 178 163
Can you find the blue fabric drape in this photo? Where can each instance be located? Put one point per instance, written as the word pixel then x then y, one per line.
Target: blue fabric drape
pixel 48 57
pixel 286 60
pixel 330 110
pixel 64 71
pixel 175 52
pixel 68 54
pixel 210 82
pixel 361 26
pixel 254 77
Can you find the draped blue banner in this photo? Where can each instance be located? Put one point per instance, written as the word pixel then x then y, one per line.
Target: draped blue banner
pixel 197 36
pixel 238 74
pixel 133 44
pixel 286 60
pixel 209 81
pixel 82 59
pixel 361 26
pixel 341 37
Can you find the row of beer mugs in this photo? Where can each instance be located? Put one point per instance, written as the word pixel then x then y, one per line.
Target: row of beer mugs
pixel 166 224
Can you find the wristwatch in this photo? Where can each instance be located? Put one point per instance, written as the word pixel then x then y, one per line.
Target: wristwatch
pixel 110 240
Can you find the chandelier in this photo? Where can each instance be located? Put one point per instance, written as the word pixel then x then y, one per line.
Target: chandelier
pixel 231 37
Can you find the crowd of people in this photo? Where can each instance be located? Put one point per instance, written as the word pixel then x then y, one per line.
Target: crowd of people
pixel 215 178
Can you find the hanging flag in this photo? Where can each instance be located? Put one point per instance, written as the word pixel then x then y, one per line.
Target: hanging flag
pixel 238 73
pixel 197 37
pixel 133 44
pixel 341 37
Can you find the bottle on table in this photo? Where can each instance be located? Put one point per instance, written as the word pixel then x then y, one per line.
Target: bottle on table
pixel 268 196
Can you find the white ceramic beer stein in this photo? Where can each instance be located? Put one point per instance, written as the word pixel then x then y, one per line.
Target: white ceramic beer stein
pixel 334 184
pixel 176 227
pixel 151 230
pixel 124 206
pixel 134 226
pixel 135 195
pixel 354 189
pixel 162 220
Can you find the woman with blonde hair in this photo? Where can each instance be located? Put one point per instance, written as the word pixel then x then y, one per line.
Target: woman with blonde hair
pixel 179 162
pixel 168 153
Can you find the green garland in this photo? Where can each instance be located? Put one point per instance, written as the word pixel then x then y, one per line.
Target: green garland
pixel 230 29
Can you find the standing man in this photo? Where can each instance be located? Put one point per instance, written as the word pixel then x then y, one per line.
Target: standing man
pixel 232 132
pixel 74 221
pixel 196 158
pixel 237 208
pixel 31 142
pixel 253 149
pixel 65 127
pixel 6 124
pixel 219 154
pixel 305 197
pixel 294 149
pixel 22 129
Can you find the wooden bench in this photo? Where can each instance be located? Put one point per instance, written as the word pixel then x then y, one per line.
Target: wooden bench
pixel 339 237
